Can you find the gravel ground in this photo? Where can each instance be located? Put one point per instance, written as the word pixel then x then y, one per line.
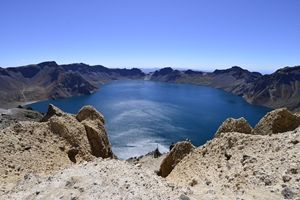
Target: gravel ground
pixel 99 179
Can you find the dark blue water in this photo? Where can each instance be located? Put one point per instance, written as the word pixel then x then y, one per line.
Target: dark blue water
pixel 141 115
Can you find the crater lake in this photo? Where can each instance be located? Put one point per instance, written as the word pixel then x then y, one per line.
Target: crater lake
pixel 142 115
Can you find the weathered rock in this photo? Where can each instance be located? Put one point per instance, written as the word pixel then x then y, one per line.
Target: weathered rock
pixel 277 121
pixel 178 152
pixel 45 147
pixel 73 132
pixel 88 112
pixel 52 111
pixel 234 125
pixel 98 139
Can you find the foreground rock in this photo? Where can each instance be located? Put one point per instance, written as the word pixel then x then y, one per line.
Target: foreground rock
pixel 246 166
pixel 277 121
pixel 233 165
pixel 99 179
pixel 178 152
pixel 234 125
pixel 51 145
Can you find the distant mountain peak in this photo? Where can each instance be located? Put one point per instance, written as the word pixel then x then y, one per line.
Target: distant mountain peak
pixel 48 63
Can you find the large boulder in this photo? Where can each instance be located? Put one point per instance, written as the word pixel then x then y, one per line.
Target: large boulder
pixel 85 133
pixel 178 152
pixel 93 122
pixel 90 113
pixel 277 121
pixel 234 125
pixel 98 139
pixel 52 111
pixel 69 129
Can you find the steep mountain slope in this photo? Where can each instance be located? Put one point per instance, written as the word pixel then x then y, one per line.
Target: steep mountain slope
pixel 50 80
pixel 279 89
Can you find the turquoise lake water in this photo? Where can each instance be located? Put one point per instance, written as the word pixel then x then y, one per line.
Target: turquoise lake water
pixel 141 115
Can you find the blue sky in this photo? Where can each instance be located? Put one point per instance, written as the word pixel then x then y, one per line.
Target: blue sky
pixel 260 35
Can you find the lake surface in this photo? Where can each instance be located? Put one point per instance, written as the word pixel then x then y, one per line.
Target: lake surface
pixel 141 115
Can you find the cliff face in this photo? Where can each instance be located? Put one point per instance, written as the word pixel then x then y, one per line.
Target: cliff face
pixel 279 89
pixel 282 88
pixel 50 80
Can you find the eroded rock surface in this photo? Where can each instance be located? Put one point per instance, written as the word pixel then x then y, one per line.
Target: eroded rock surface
pixel 277 121
pixel 246 166
pixel 98 139
pixel 52 111
pixel 233 165
pixel 89 113
pixel 100 179
pixel 53 144
pixel 234 125
pixel 178 152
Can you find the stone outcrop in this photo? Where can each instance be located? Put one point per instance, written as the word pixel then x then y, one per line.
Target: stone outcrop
pixel 69 129
pixel 93 122
pixel 56 142
pixel 234 125
pixel 178 152
pixel 277 121
pixel 89 113
pixel 236 165
pixel 52 111
pixel 98 139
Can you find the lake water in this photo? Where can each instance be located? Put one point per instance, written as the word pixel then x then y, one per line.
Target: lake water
pixel 141 115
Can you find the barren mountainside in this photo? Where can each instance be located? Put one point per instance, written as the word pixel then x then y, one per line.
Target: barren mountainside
pixel 279 89
pixel 49 80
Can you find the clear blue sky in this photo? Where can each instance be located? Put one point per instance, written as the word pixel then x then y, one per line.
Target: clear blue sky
pixel 206 34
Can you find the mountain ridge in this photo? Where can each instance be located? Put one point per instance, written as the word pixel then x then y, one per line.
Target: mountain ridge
pixel 49 80
pixel 279 89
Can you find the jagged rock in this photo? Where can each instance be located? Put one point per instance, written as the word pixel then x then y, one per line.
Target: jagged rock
pixel 277 121
pixel 88 112
pixel 73 132
pixel 52 110
pixel 234 125
pixel 178 152
pixel 57 142
pixel 156 153
pixel 98 139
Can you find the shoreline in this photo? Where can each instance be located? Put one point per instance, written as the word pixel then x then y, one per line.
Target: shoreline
pixel 11 105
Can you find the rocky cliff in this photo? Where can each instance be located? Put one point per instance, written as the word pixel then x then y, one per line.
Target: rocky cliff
pixel 279 89
pixel 62 158
pixel 49 80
